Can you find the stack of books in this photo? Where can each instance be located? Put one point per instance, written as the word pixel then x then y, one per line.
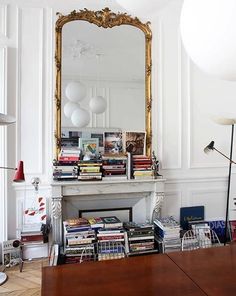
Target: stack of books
pixel 167 234
pixel 69 154
pixel 96 222
pixel 90 170
pixel 110 239
pixel 34 244
pixel 140 238
pixel 79 241
pixel 65 168
pixel 114 167
pixel 65 172
pixel 142 167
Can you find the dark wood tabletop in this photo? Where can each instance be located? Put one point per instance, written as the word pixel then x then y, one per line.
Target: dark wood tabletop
pixel 212 269
pixel 142 275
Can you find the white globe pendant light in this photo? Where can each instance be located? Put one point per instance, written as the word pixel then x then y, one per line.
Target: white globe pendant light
pixel 208 30
pixel 97 104
pixel 142 8
pixel 75 91
pixel 80 117
pixel 69 108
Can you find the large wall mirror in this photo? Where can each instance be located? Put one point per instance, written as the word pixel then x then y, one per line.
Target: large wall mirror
pixel 107 57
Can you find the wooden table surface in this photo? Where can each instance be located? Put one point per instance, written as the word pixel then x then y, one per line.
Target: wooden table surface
pixel 142 275
pixel 212 269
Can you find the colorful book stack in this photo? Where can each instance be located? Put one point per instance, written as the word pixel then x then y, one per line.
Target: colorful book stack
pixel 142 167
pixel 167 234
pixel 110 239
pixel 140 238
pixel 69 154
pixel 65 172
pixel 79 241
pixel 66 167
pixel 90 170
pixel 114 167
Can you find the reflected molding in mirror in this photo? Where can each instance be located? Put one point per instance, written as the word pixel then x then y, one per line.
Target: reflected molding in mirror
pixel 104 18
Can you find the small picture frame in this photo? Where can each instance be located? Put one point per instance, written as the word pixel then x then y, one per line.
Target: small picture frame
pixel 113 142
pixel 135 143
pixel 100 137
pixel 89 146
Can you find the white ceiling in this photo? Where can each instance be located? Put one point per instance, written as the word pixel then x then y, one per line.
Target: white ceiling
pixel 121 51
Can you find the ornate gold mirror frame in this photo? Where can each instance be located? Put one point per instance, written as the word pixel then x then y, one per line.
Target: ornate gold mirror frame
pixel 106 19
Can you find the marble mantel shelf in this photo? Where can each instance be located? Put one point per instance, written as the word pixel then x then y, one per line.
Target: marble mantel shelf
pixel 152 190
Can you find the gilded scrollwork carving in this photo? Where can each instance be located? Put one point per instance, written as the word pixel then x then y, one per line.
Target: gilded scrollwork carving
pixel 107 19
pixel 103 18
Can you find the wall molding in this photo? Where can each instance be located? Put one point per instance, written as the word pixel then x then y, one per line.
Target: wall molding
pixel 178 164
pixel 3 146
pixel 3 20
pixel 199 179
pixel 39 123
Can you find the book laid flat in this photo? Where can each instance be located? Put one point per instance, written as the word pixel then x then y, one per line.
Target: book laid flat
pixel 111 222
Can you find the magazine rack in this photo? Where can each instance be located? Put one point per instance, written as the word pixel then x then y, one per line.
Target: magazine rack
pixel 199 238
pixel 110 250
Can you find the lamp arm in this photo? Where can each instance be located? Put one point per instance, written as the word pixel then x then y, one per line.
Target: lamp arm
pixel 6 168
pixel 231 161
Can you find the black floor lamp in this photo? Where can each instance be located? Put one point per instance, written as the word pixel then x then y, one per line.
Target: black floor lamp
pixel 18 177
pixel 211 147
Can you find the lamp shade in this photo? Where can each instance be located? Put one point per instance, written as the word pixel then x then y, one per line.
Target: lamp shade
pixel 224 120
pixel 80 117
pixel 19 174
pixel 142 8
pixel 69 108
pixel 98 104
pixel 6 119
pixel 75 91
pixel 208 30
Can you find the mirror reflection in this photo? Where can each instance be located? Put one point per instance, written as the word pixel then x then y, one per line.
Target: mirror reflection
pixel 103 74
pixel 102 68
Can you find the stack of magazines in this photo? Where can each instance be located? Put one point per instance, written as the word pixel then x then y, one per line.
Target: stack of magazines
pixel 167 234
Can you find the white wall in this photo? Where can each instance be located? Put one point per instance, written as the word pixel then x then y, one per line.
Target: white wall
pixel 183 101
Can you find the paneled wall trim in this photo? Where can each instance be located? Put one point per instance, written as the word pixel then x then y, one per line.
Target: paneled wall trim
pixel 30 87
pixel 184 99
pixel 3 20
pixel 3 144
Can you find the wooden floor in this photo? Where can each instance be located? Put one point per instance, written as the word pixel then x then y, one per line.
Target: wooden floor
pixel 27 282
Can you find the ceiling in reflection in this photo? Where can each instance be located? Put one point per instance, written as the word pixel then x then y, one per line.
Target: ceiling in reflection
pixel 113 54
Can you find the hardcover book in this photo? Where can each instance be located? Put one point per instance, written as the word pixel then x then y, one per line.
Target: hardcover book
pixel 111 222
pixel 190 214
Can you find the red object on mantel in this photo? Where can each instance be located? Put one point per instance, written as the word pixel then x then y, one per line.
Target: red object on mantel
pixel 19 175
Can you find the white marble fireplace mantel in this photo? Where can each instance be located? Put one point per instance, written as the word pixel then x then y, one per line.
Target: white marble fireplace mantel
pixel 152 191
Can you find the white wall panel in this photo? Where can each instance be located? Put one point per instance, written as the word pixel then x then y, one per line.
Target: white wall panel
pixel 171 101
pixel 213 199
pixel 3 20
pixel 3 145
pixel 171 204
pixel 210 97
pixel 31 87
